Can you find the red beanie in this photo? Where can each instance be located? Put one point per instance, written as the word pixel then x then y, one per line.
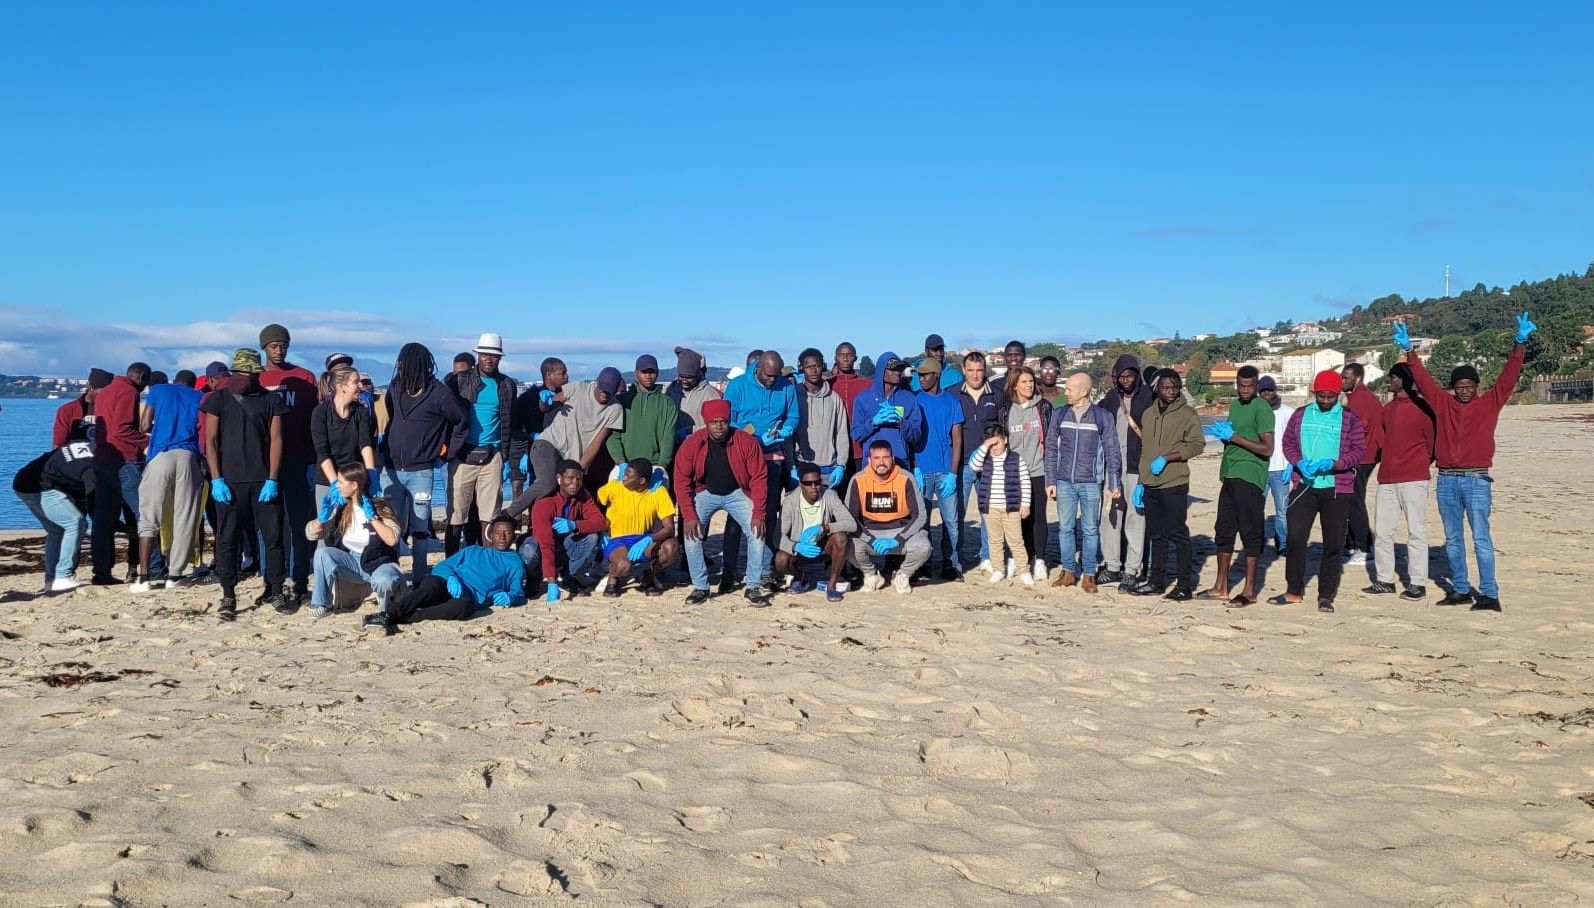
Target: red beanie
pixel 1328 380
pixel 716 409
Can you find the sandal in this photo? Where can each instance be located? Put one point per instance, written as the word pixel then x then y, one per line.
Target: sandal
pixel 1281 599
pixel 1325 605
pixel 1209 596
pixel 1241 601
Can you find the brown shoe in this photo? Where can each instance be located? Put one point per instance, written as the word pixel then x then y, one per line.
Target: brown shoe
pixel 1088 584
pixel 1065 578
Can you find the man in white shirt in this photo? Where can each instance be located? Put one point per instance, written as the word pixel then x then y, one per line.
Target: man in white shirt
pixel 1278 466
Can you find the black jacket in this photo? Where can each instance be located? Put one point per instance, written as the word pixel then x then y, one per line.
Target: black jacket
pixel 467 385
pixel 70 470
pixel 340 440
pixel 419 427
pixel 1138 400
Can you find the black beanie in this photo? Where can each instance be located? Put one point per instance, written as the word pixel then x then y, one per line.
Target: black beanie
pixel 1463 372
pixel 272 334
pixel 688 362
pixel 99 378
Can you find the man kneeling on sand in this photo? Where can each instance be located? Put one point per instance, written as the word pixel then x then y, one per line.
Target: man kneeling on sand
pixel 890 512
pixel 814 529
pixel 475 577
pixel 641 526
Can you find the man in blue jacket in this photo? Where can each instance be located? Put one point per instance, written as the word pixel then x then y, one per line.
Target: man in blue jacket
pixel 1081 453
pixel 888 412
pixel 473 578
pixel 763 404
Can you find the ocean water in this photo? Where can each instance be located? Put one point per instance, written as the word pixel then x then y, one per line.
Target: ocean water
pixel 25 434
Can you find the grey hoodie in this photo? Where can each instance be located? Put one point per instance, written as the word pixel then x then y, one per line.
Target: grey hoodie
pixel 821 437
pixel 834 517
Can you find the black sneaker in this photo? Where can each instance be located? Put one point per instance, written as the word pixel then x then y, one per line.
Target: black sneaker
pixel 282 603
pixel 1486 604
pixel 771 584
pixel 758 598
pixel 1180 594
pixel 107 580
pixel 1380 588
pixel 1457 599
pixel 1414 593
pixel 1325 605
pixel 728 584
pixel 1106 576
pixel 1145 588
pixel 951 574
pixel 227 610
pixel 301 595
pixel 697 597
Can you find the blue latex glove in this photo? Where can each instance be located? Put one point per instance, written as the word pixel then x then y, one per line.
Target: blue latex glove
pixel 553 593
pixel 808 549
pixel 949 485
pixel 219 491
pixel 771 436
pixel 546 396
pixel 1323 467
pixel 1525 328
pixel 564 526
pixel 639 549
pixel 328 507
pixel 1402 336
pixel 886 415
pixel 505 473
pixel 368 508
pixel 884 546
pixel 918 479
pixel 658 480
pixel 501 600
pixel 836 475
pixel 1139 498
pixel 373 483
pixel 1308 469
pixel 809 535
pixel 794 475
pixel 268 490
pixel 1158 465
pixel 1222 431
pixel 455 588
pixel 525 464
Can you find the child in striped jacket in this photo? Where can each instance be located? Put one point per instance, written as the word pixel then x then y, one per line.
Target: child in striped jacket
pixel 1004 493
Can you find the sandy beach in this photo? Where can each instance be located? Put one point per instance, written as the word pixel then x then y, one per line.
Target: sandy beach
pixel 969 744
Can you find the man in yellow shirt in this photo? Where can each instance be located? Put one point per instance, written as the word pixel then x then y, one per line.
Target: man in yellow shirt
pixel 641 526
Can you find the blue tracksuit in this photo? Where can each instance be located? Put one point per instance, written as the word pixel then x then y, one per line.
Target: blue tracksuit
pixel 902 436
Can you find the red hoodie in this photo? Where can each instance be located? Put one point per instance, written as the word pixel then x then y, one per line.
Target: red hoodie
pixel 1367 407
pixel 1466 431
pixel 582 510
pixel 1408 443
pixel 119 440
pixel 848 387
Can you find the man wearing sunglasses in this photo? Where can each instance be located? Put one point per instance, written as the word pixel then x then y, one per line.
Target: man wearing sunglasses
pixel 814 530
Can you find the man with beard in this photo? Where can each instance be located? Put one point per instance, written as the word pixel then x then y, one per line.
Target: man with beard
pixel 716 470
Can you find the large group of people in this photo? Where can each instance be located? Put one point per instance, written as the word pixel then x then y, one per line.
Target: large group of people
pixel 827 478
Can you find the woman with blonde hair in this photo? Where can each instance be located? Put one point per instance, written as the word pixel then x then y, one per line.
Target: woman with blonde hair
pixel 358 538
pixel 343 430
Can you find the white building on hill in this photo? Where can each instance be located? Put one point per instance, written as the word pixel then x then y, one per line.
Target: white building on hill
pixel 1301 366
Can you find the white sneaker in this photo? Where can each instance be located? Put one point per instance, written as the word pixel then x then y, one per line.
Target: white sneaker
pixel 998 576
pixel 1026 579
pixel 984 566
pixel 1038 572
pixel 872 582
pixel 603 584
pixel 141 586
pixel 64 584
pixel 901 583
pixel 1356 559
pixel 1012 569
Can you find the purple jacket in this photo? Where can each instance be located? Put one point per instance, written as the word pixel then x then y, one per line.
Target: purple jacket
pixel 1352 447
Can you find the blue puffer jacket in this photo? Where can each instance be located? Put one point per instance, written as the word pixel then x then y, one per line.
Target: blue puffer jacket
pixel 1082 450
pixel 902 436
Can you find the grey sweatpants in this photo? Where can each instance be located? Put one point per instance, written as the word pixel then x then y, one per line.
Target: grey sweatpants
pixel 1395 499
pixel 169 491
pixel 1123 555
pixel 915 552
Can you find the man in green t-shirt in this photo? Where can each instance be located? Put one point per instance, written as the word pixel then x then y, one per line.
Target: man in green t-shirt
pixel 1247 437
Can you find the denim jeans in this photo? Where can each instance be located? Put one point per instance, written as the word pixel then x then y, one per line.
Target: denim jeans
pixel 578 550
pixel 415 488
pixel 739 508
pixel 1468 498
pixel 1079 504
pixel 950 517
pixel 332 564
pixel 967 486
pixel 63 528
pixel 1278 485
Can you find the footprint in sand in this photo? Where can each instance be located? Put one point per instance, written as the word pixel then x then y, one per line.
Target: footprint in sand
pixel 701 819
pixel 647 781
pixel 972 760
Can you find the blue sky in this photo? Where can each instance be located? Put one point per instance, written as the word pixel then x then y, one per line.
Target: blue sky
pixel 602 180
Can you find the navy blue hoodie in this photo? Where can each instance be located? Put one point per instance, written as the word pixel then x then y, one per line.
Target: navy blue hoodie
pixel 902 436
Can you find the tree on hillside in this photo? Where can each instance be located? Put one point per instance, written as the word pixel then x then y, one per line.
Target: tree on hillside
pixel 1485 352
pixel 866 366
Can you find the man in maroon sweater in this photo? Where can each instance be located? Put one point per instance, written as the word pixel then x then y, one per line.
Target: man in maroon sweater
pixel 565 529
pixel 717 469
pixel 1403 473
pixel 78 413
pixel 118 470
pixel 1464 449
pixel 1370 410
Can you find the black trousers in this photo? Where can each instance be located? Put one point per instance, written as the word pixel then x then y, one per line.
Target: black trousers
pixel 1241 506
pixel 231 522
pixel 1167 520
pixel 1359 534
pixel 1033 526
pixel 774 488
pixel 1331 510
pixel 430 602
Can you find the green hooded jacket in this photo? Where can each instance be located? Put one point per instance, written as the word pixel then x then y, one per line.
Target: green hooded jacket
pixel 650 418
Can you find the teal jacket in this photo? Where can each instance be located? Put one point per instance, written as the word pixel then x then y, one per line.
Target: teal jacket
pixel 484 571
pixel 650 420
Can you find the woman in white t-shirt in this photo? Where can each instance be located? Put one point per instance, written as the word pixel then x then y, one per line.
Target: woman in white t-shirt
pixel 358 538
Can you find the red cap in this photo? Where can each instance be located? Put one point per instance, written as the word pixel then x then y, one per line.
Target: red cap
pixel 1328 380
pixel 716 409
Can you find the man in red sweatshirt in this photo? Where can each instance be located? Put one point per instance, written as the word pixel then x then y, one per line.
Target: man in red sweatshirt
pixel 565 529
pixel 118 470
pixel 717 469
pixel 1403 474
pixel 1464 449
pixel 1370 410
pixel 848 384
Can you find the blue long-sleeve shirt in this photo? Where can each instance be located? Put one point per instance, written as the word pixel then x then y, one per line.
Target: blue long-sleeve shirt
pixel 764 408
pixel 484 571
pixel 902 436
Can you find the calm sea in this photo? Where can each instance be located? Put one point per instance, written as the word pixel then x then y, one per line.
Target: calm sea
pixel 25 434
